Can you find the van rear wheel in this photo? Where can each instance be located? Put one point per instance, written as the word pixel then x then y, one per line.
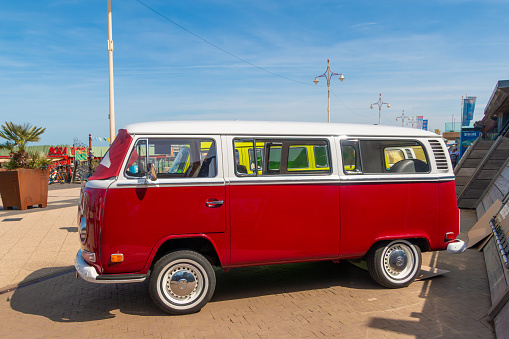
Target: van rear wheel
pixel 182 282
pixel 395 264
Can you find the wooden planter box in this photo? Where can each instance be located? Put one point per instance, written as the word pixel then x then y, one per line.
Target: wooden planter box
pixel 24 187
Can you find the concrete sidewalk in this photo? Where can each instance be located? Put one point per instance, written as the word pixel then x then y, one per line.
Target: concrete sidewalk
pixel 39 241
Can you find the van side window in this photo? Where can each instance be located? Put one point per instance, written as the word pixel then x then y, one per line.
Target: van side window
pixel 281 157
pixel 351 157
pixel 384 156
pixel 137 164
pixel 297 157
pixel 321 156
pixel 244 162
pixel 392 156
pixel 412 154
pixel 174 158
pixel 259 157
pixel 274 158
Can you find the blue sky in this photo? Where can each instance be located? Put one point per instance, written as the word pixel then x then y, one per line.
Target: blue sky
pixel 423 56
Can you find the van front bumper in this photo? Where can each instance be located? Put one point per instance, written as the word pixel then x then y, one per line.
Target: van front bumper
pixel 457 246
pixel 88 273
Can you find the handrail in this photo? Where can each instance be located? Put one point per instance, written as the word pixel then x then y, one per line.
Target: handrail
pixel 501 249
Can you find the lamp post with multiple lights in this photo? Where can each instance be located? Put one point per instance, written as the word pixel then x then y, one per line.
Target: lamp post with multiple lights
pixel 412 122
pixel 328 75
pixel 380 103
pixel 402 117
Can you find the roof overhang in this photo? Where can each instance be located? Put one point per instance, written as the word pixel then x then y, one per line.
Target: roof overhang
pixel 499 101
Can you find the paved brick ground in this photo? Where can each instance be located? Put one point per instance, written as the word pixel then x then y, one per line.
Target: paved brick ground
pixel 285 301
pixel 39 241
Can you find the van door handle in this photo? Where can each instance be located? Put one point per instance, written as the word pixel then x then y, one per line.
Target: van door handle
pixel 214 203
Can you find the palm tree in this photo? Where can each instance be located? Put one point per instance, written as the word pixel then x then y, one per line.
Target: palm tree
pixel 19 135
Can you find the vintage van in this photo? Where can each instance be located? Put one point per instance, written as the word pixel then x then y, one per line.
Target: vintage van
pixel 170 200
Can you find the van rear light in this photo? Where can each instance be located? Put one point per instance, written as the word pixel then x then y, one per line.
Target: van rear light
pixel 117 257
pixel 88 256
pixel 450 236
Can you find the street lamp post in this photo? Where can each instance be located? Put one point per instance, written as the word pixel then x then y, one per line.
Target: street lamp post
pixel 328 75
pixel 380 103
pixel 110 67
pixel 412 122
pixel 402 117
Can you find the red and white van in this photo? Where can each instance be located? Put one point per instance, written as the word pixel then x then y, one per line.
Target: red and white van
pixel 170 200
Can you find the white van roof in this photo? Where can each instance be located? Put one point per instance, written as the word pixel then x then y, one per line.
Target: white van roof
pixel 218 127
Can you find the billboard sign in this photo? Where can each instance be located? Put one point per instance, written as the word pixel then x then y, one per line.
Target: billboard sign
pixel 420 118
pixel 468 110
pixel 467 137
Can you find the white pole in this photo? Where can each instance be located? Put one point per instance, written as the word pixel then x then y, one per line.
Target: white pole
pixel 110 62
pixel 329 76
pixel 328 103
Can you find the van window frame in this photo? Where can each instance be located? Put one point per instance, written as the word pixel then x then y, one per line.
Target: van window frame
pixel 328 157
pixel 285 144
pixel 358 142
pixel 354 143
pixel 171 176
pixel 307 157
pixel 135 143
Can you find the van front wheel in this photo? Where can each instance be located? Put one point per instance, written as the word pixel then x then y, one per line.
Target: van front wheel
pixel 395 264
pixel 182 282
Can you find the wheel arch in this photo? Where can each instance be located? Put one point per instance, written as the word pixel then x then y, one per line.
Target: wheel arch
pixel 422 242
pixel 199 243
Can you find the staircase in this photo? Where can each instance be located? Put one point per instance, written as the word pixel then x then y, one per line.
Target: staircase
pixel 478 167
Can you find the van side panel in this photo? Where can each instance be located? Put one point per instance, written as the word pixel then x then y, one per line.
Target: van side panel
pixel 135 219
pixel 449 213
pixel 283 222
pixel 371 212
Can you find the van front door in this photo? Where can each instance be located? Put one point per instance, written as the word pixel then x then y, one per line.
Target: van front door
pixel 187 199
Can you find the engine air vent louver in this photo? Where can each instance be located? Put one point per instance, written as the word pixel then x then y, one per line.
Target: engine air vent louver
pixel 440 155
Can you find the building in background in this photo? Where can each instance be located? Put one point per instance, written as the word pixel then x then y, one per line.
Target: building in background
pixel 60 155
pixel 452 133
pixel 496 114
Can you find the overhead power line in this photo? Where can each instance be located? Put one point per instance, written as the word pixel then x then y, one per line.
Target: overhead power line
pixel 217 47
pixel 348 108
pixel 233 55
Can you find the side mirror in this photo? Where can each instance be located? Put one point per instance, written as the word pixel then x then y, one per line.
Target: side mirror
pixel 151 173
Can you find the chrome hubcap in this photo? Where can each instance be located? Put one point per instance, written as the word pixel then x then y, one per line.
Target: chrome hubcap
pixel 182 283
pixel 398 261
